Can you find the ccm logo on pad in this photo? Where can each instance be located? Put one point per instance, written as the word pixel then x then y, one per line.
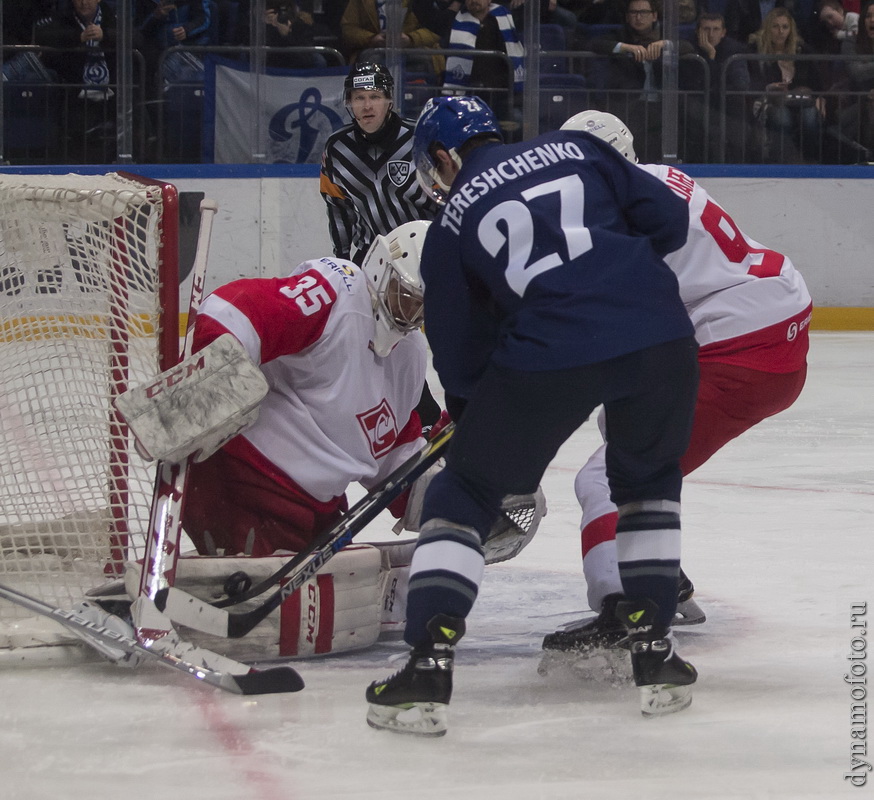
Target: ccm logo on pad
pixel 167 381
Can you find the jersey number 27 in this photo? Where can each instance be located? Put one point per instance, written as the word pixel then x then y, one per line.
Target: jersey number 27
pixel 520 230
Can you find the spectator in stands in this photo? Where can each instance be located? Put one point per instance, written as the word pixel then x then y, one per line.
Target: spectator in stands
pixel 634 74
pixel 364 26
pixel 289 26
pixel 483 25
pixel 713 43
pixel 831 26
pixel 857 121
pixel 838 23
pixel 84 32
pixel 791 112
pixel 612 12
pixel 167 23
pixel 287 23
pixel 437 16
pixel 744 17
pixel 715 47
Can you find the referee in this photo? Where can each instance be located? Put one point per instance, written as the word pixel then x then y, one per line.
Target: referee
pixel 367 177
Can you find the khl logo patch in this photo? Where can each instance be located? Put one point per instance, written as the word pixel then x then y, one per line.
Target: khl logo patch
pixel 398 172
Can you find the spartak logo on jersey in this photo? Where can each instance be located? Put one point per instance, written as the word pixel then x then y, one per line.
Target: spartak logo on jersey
pixel 380 427
pixel 399 172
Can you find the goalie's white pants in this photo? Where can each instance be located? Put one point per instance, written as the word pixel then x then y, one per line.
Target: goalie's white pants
pixel 359 597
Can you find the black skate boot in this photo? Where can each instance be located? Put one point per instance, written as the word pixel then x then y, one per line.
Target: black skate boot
pixel 423 687
pixel 663 677
pixel 604 632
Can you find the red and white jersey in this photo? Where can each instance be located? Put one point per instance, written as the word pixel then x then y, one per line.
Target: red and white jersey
pixel 335 412
pixel 749 305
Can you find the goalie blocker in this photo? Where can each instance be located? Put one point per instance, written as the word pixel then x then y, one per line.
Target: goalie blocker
pixel 196 406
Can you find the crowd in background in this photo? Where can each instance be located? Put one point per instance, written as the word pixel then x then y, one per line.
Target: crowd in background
pixel 750 92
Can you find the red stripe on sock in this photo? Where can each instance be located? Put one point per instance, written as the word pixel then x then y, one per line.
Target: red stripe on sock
pixel 599 531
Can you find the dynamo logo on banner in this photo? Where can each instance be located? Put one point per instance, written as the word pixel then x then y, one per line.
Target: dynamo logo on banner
pixel 299 130
pixel 301 108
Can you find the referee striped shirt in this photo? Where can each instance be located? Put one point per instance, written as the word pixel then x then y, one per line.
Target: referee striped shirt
pixel 369 185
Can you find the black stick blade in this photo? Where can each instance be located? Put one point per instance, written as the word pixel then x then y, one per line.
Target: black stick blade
pixel 275 680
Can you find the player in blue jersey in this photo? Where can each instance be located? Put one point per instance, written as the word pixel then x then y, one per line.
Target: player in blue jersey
pixel 546 296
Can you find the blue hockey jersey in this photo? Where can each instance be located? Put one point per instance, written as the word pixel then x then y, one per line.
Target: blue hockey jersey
pixel 548 255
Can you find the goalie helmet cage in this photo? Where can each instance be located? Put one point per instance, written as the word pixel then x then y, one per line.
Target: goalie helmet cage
pixel 88 307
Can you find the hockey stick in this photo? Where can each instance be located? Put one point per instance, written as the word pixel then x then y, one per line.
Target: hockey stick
pixel 252 681
pixel 186 610
pixel 377 499
pixel 165 524
pixel 153 629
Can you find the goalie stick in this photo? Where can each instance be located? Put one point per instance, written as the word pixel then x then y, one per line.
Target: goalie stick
pixel 153 629
pixel 165 525
pixel 250 681
pixel 186 610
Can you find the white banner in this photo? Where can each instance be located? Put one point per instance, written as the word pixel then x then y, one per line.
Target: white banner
pixel 301 108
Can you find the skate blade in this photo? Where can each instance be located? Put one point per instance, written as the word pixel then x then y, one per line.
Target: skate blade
pixel 414 719
pixel 658 699
pixel 689 613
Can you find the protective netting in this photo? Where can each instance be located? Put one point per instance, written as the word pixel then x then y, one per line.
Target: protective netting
pixel 80 311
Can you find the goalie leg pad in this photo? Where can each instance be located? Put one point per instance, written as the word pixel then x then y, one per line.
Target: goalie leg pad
pixel 337 610
pixel 393 587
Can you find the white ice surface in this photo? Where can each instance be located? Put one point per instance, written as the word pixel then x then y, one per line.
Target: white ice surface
pixel 777 537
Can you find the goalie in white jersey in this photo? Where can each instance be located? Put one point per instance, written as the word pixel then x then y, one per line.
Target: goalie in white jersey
pixel 345 361
pixel 751 311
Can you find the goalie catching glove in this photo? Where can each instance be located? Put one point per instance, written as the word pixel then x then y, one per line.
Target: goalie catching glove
pixel 511 533
pixel 515 528
pixel 196 406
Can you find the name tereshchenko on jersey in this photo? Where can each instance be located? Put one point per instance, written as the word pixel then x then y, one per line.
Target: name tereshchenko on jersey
pixel 524 164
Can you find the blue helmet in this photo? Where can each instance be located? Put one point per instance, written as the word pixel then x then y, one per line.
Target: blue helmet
pixel 449 122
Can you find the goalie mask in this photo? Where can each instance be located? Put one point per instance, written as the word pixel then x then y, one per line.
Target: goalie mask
pixel 448 122
pixel 391 267
pixel 606 127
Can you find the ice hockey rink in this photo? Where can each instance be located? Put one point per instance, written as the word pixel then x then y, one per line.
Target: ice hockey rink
pixel 777 538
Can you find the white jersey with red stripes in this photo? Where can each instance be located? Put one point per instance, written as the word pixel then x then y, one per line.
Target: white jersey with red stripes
pixel 336 412
pixel 747 302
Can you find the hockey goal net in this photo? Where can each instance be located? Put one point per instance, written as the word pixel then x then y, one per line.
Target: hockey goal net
pixel 88 307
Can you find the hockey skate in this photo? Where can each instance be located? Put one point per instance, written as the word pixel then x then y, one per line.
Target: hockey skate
pixel 414 700
pixel 591 649
pixel 604 632
pixel 663 677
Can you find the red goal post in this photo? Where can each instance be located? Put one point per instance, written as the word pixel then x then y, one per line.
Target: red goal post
pixel 88 307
